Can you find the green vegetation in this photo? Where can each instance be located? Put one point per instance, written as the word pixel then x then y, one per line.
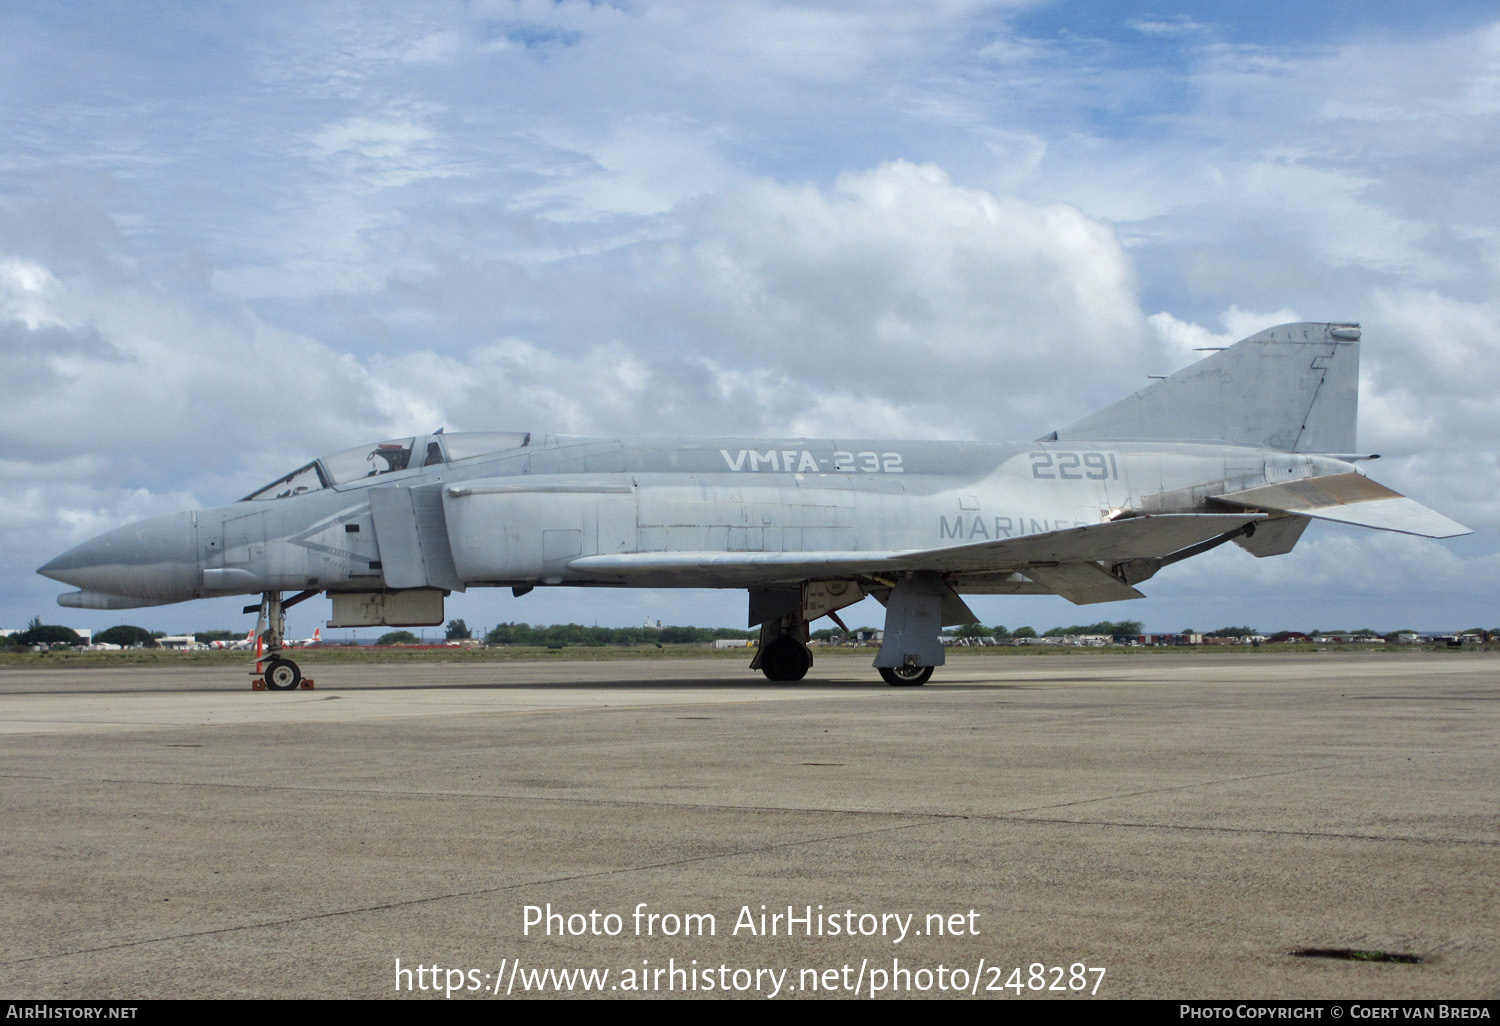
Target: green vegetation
pixel 1124 628
pixel 38 633
pixel 126 636
pixel 398 638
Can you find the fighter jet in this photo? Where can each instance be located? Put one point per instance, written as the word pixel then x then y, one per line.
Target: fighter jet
pixel 1247 446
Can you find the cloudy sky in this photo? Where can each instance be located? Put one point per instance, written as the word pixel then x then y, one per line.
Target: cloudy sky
pixel 236 236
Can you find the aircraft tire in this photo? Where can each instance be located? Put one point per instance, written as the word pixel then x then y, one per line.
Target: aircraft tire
pixel 906 676
pixel 785 659
pixel 282 675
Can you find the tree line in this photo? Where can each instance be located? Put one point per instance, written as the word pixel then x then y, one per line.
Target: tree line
pixel 558 635
pixel 1106 628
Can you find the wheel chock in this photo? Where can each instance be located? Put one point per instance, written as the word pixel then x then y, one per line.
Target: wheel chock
pixel 257 685
pixel 307 684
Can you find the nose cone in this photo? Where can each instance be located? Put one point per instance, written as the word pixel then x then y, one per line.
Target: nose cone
pixel 155 560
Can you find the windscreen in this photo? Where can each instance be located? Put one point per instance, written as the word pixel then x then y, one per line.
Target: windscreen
pixel 303 479
pixel 372 460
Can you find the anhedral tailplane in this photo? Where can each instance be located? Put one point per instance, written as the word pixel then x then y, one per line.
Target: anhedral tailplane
pixel 1348 499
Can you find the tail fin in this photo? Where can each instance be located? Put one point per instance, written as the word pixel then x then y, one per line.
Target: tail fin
pixel 1294 387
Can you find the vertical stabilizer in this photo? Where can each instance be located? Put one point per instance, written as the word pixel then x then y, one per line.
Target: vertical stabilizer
pixel 1294 387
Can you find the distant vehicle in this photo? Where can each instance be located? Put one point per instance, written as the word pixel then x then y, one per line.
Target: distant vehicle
pixel 1246 446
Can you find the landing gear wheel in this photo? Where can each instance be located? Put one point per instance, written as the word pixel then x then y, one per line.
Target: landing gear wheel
pixel 906 676
pixel 785 659
pixel 282 675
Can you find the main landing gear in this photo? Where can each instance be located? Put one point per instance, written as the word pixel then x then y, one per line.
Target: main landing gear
pixel 914 616
pixel 274 670
pixel 785 658
pixel 783 655
pixel 906 676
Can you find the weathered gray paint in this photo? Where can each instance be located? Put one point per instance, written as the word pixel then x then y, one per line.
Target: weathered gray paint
pixel 913 620
pixel 1312 410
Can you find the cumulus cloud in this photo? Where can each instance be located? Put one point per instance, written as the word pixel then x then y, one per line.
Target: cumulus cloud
pixel 155 373
pixel 903 285
pixel 1183 340
pixel 1431 363
pixel 1437 344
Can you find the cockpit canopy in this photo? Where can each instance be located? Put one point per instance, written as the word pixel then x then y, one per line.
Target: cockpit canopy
pixel 365 461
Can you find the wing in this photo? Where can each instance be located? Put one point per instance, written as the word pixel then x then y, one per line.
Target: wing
pixel 1074 563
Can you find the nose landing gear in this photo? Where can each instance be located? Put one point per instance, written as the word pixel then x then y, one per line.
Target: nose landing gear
pixel 273 670
pixel 282 675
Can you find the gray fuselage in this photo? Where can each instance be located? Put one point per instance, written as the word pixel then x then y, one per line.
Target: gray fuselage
pixel 526 515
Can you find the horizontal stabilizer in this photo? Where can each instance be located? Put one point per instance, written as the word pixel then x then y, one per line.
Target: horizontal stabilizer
pixel 1349 499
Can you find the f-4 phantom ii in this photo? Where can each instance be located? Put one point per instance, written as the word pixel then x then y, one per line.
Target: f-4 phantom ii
pixel 1246 445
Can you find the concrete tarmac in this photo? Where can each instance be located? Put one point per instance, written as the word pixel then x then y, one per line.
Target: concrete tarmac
pixel 1181 822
